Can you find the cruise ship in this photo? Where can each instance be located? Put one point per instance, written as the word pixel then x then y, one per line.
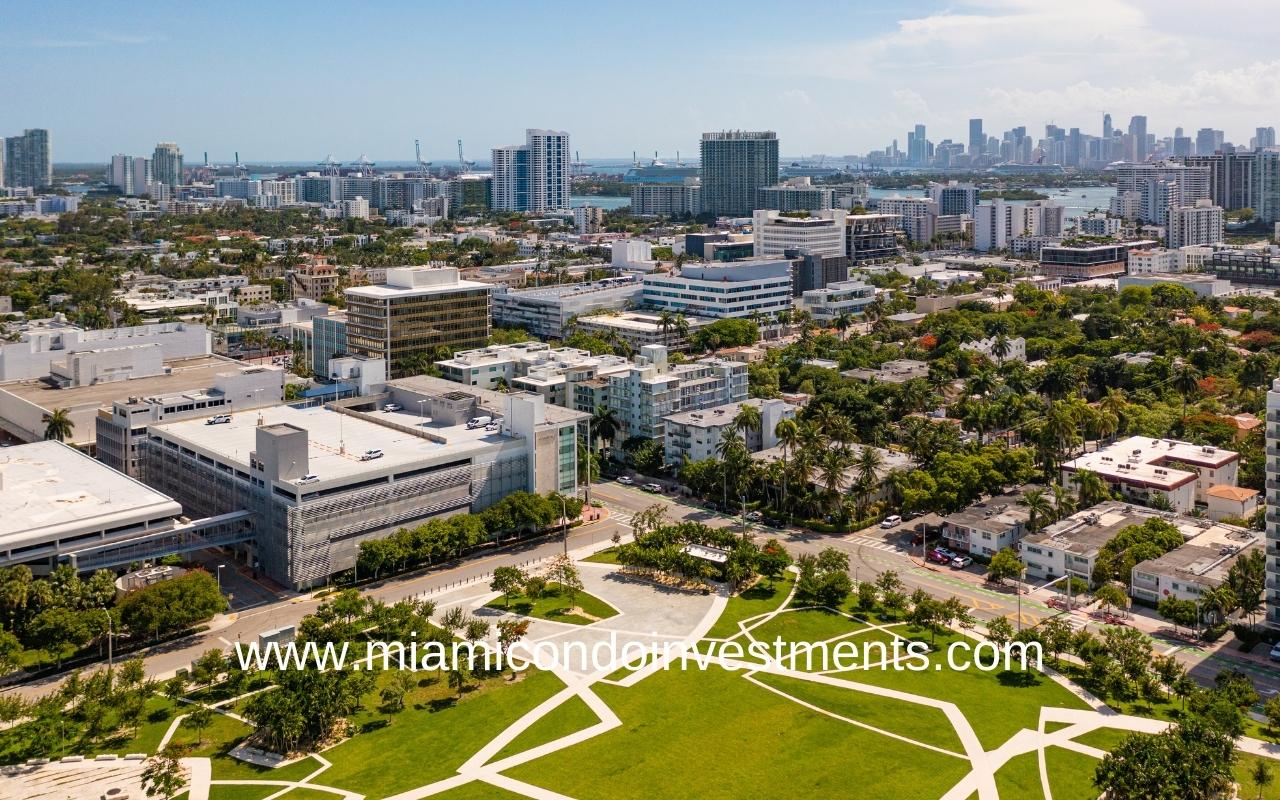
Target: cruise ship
pixel 659 172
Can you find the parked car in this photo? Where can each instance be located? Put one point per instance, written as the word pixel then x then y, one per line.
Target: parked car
pixel 960 562
pixel 308 478
pixel 941 555
pixel 754 516
pixel 1275 652
pixel 218 419
pixel 654 488
pixel 479 422
pixel 392 407
pixel 370 455
pixel 891 521
pixel 625 480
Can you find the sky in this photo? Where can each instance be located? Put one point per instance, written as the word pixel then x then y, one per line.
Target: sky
pixel 284 80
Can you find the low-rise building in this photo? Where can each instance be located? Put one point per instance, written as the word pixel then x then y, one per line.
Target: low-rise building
pixel 987 527
pixel 41 343
pixel 833 301
pixel 820 233
pixel 696 434
pixel 545 311
pixel 897 371
pixel 1236 502
pixel 1142 468
pixel 999 349
pixel 1204 285
pixel 1087 262
pixel 739 290
pixel 653 389
pixel 1155 260
pixel 640 328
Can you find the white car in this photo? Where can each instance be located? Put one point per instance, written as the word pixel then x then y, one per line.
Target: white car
pixel 654 488
pixel 960 562
pixel 626 481
pixel 891 521
pixel 1275 652
pixel 218 419
pixel 309 478
pixel 370 455
pixel 392 407
pixel 754 516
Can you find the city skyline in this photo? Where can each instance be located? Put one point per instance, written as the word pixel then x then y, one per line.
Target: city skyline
pixel 833 92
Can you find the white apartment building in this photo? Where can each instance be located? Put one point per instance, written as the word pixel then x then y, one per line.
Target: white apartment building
pixel 1272 598
pixel 1141 467
pixel 1045 218
pixel 588 219
pixel 988 527
pixel 821 233
pixel 732 290
pixel 1192 258
pixel 545 311
pixel 997 224
pixel 1098 223
pixel 827 304
pixel 1201 224
pixel 632 254
pixel 1156 187
pixel 533 367
pixel 1016 348
pixel 696 434
pixel 652 390
pixel 355 208
pixel 1154 261
pixel 533 176
pixel 919 215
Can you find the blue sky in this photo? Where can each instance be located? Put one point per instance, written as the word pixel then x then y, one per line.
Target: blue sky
pixel 298 80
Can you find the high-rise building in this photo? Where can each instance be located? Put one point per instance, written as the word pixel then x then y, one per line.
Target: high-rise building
pixel 166 164
pixel 416 312
pixel 735 164
pixel 1272 599
pixel 120 173
pixel 1106 127
pixel 28 159
pixel 1138 134
pixel 533 176
pixel 954 198
pixel 1159 187
pixel 1208 141
pixel 977 139
pixel 997 224
pixel 1202 223
pixel 821 233
pixel 1264 137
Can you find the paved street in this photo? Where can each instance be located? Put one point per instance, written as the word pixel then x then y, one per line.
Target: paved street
pixel 257 609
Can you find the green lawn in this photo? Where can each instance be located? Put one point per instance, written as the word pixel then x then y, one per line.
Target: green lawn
pixel 759 599
pixel 805 625
pixel 303 793
pixel 919 723
pixel 477 790
pixel 609 556
pixel 1104 738
pixel 428 743
pixel 225 768
pixel 732 739
pixel 1070 774
pixel 567 718
pixel 1020 778
pixel 555 606
pixel 217 792
pixel 997 704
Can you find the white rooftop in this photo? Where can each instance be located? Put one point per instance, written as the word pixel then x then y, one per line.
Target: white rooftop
pixel 417 281
pixel 49 487
pixel 1146 460
pixel 336 441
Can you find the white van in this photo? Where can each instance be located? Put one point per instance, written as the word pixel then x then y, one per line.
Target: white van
pixel 479 422
pixel 891 521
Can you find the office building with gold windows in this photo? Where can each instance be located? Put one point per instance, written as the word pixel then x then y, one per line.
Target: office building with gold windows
pixel 416 312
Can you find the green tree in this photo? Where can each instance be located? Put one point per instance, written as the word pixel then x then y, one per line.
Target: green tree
pixel 508 581
pixel 1191 761
pixel 198 719
pixel 164 775
pixel 58 425
pixel 1005 564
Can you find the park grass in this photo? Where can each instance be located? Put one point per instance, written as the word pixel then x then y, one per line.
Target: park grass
pixel 239 792
pixel 759 599
pixel 226 768
pixel 222 734
pixel 307 793
pixel 477 790
pixel 997 704
pixel 729 738
pixel 609 556
pixel 569 717
pixel 1070 774
pixel 1110 738
pixel 805 625
pixel 1104 738
pixel 554 605
pixel 1020 778
pixel 435 738
pixel 920 723
pixel 1053 725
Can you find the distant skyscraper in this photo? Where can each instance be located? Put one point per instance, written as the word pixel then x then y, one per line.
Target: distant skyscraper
pixel 1206 142
pixel 1265 137
pixel 28 159
pixel 734 165
pixel 977 140
pixel 166 164
pixel 1138 132
pixel 533 176
pixel 1106 127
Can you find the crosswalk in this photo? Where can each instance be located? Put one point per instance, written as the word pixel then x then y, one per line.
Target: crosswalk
pixel 620 516
pixel 878 544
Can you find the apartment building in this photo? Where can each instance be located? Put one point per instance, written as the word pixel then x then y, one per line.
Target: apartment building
pixel 696 434
pixel 776 232
pixel 739 290
pixel 653 389
pixel 546 311
pixel 1142 468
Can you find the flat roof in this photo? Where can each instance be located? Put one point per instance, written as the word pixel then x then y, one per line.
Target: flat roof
pixel 1001 512
pixel 382 290
pixel 185 374
pixel 1141 459
pixel 491 401
pixel 715 416
pixel 335 440
pixel 637 321
pixel 48 486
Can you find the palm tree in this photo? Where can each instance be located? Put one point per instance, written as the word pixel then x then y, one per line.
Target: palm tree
pixel 1000 348
pixel 681 326
pixel 788 433
pixel 748 419
pixel 604 424
pixel 1186 380
pixel 665 321
pixel 1038 508
pixel 832 465
pixel 732 452
pixel 58 426
pixel 1090 488
pixel 843 322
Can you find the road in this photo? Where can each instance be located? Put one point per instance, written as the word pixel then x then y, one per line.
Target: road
pixel 870 554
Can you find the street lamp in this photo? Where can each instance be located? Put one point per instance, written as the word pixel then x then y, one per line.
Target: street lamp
pixel 219 576
pixel 422 419
pixel 564 523
pixel 110 634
